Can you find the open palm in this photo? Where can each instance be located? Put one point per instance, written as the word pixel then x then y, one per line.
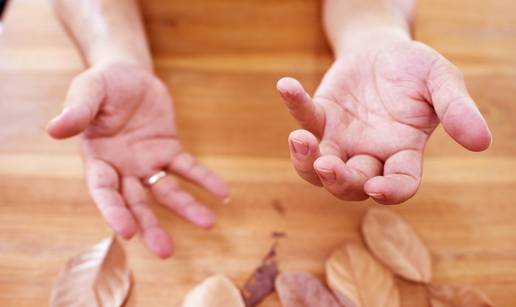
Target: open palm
pixel 370 118
pixel 125 115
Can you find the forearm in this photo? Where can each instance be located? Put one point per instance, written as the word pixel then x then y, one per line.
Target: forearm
pixel 354 24
pixel 106 30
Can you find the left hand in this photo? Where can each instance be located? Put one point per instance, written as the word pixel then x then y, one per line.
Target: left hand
pixel 368 122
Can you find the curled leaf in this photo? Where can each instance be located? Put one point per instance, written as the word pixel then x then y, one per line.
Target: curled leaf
pixel 457 296
pixel 214 291
pixel 358 280
pixel 97 277
pixel 261 282
pixel 300 289
pixel 396 245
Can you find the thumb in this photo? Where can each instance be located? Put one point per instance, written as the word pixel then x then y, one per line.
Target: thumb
pixel 82 103
pixel 455 108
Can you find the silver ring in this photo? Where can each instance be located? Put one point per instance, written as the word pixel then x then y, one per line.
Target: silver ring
pixel 152 180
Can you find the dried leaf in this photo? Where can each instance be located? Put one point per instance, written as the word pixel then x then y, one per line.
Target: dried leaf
pixel 300 289
pixel 358 280
pixel 214 291
pixel 396 245
pixel 98 277
pixel 457 296
pixel 261 282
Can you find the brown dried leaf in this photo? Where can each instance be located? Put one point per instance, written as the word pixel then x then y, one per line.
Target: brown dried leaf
pixel 261 282
pixel 358 280
pixel 214 291
pixel 458 296
pixel 98 276
pixel 300 289
pixel 396 245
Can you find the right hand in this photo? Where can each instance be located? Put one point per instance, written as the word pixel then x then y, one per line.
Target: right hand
pixel 126 120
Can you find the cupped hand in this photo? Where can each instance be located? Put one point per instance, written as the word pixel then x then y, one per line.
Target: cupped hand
pixel 366 127
pixel 126 120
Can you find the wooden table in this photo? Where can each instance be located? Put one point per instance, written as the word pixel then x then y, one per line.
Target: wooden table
pixel 221 60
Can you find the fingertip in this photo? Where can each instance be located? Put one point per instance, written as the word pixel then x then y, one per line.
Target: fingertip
pixel 55 127
pixel 304 150
pixel 303 136
pixel 218 187
pixel 302 143
pixel 125 232
pixel 208 222
pixel 286 84
pixel 159 242
pixel 72 121
pixel 121 221
pixel 201 216
pixel 389 191
pixel 339 179
pixel 329 169
pixel 467 126
pixel 481 141
pixel 51 127
pixel 291 89
pixel 374 188
pixel 328 162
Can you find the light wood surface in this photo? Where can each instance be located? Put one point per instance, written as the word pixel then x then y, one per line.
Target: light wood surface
pixel 221 60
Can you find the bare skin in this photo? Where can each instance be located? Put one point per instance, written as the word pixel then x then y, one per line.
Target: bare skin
pixel 125 118
pixel 366 127
pixel 364 132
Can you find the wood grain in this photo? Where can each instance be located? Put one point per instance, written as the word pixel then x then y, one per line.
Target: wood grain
pixel 221 60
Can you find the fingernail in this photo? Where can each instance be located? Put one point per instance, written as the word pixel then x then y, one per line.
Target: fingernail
pixel 299 147
pixel 327 175
pixel 376 195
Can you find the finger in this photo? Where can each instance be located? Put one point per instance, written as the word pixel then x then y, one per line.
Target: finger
pixel 103 186
pixel 168 193
pixel 401 178
pixel 304 150
pixel 309 115
pixel 455 108
pixel 187 166
pixel 153 235
pixel 82 103
pixel 346 180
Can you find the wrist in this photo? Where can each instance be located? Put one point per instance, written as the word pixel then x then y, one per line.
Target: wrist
pixel 115 55
pixel 121 66
pixel 371 37
pixel 357 25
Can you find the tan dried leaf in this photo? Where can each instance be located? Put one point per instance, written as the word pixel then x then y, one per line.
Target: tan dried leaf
pixel 214 291
pixel 300 289
pixel 358 280
pixel 97 277
pixel 457 296
pixel 396 245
